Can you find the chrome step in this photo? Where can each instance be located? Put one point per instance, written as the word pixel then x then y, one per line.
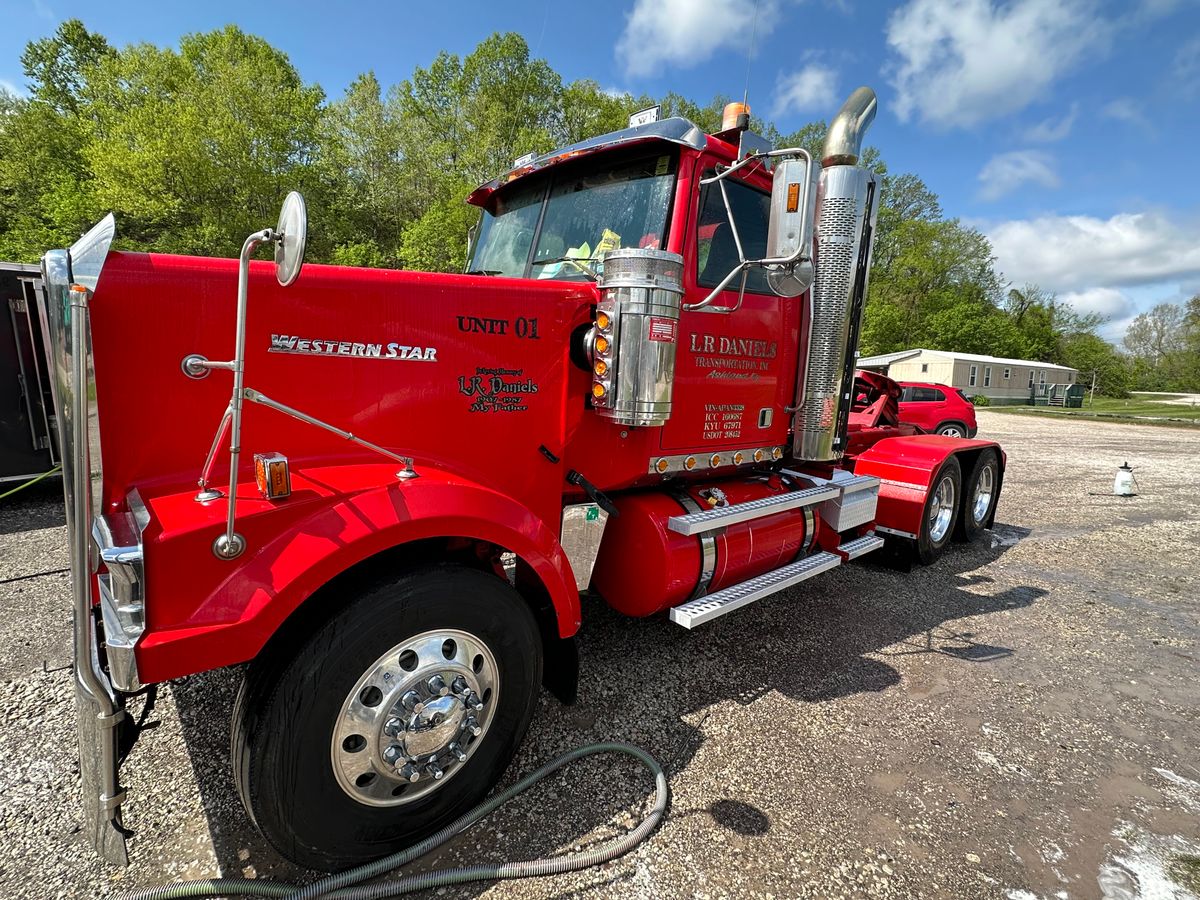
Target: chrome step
pixel 709 519
pixel 857 547
pixel 702 609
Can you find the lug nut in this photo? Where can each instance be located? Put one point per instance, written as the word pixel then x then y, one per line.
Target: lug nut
pixel 460 685
pixel 435 771
pixel 409 772
pixel 471 699
pixel 437 685
pixel 393 727
pixel 392 753
pixel 457 752
pixel 472 726
pixel 412 702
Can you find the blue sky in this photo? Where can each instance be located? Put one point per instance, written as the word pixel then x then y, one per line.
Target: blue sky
pixel 1067 130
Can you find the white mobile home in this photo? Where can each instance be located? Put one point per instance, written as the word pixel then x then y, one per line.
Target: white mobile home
pixel 1002 381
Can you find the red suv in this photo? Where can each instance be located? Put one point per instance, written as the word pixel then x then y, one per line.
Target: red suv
pixel 937 409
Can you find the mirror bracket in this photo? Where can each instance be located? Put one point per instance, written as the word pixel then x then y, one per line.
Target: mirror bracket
pixel 797 265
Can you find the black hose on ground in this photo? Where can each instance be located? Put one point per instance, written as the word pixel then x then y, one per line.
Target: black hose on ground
pixel 346 885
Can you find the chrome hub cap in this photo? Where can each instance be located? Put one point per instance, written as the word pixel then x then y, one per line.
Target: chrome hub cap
pixel 982 501
pixel 415 717
pixel 941 510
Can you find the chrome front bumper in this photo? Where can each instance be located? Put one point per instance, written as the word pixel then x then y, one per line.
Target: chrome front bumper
pixel 117 540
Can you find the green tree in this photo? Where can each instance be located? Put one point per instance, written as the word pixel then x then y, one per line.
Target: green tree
pixel 195 149
pixel 45 183
pixel 362 157
pixel 1090 354
pixel 57 66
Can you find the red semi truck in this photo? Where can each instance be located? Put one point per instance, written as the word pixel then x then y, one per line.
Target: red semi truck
pixel 643 386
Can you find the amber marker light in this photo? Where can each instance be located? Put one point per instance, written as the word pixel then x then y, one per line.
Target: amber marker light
pixel 601 367
pixel 689 463
pixel 602 320
pixel 662 465
pixel 598 391
pixel 601 344
pixel 738 458
pixel 777 453
pixel 714 460
pixel 759 456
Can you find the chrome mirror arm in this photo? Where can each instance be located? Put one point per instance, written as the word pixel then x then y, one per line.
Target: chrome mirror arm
pixel 802 254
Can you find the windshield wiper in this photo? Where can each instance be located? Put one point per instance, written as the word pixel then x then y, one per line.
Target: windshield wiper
pixel 484 272
pixel 576 261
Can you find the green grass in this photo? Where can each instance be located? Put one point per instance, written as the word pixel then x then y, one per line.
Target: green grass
pixel 1107 409
pixel 1184 870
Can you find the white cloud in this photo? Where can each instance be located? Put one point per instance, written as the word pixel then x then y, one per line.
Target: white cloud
pixel 812 88
pixel 1079 253
pixel 1005 172
pixel 1125 110
pixel 961 62
pixel 1054 128
pixel 1109 302
pixel 1187 66
pixel 686 33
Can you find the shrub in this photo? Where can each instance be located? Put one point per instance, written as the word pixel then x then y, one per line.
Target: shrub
pixel 980 400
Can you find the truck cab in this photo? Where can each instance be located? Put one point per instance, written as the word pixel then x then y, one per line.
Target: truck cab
pixel 642 386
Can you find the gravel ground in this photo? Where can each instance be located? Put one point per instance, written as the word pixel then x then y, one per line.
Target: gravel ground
pixel 1018 721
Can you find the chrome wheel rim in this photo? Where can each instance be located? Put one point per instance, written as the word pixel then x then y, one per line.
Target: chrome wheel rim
pixel 415 717
pixel 982 501
pixel 951 431
pixel 941 510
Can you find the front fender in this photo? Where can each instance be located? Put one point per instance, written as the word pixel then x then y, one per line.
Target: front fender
pixel 338 527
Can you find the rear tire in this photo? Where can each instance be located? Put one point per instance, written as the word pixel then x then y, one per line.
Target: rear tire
pixel 309 738
pixel 941 512
pixel 952 429
pixel 979 497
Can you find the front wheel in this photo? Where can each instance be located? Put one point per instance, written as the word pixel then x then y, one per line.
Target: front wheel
pixel 391 720
pixel 940 513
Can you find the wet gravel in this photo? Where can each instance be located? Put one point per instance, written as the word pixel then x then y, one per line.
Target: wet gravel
pixel 1018 721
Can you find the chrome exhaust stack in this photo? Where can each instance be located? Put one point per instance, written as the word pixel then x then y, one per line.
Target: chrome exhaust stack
pixel 845 225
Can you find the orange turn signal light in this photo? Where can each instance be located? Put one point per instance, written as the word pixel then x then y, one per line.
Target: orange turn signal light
pixel 271 473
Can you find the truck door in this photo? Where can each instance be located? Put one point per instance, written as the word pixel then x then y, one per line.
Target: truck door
pixel 735 371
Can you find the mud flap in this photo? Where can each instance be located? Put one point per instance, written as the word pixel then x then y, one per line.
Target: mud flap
pixel 97 735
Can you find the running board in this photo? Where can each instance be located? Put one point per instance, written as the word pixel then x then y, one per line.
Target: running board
pixel 703 609
pixel 857 547
pixel 711 519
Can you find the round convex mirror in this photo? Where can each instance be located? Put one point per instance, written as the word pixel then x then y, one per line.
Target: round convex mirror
pixel 292 230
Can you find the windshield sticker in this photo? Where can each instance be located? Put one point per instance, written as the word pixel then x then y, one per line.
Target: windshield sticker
pixel 497 390
pixel 286 343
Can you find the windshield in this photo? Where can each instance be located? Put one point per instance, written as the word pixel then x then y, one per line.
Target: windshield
pixel 584 212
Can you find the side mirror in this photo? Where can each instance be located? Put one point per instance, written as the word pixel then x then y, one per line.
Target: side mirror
pixel 290 235
pixel 789 262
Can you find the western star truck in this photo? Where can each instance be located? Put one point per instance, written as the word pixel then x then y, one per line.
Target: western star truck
pixel 386 491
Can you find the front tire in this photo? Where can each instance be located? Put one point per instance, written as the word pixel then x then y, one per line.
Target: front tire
pixel 941 512
pixel 391 720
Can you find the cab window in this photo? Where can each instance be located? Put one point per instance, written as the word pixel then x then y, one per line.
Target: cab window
pixel 716 251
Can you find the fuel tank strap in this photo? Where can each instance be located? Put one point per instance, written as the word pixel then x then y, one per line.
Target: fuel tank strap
pixel 708 546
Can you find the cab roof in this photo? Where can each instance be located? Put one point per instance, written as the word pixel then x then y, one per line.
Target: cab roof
pixel 675 130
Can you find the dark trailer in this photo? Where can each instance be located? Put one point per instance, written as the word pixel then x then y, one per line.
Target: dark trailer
pixel 26 406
